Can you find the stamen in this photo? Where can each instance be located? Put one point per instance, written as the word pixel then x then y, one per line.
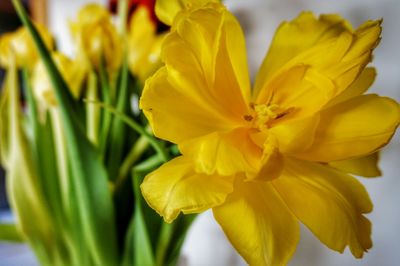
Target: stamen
pixel 248 117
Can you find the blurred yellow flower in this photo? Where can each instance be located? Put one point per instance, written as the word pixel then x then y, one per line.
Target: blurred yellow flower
pixel 260 157
pixel 97 38
pixel 72 72
pixel 144 44
pixel 19 44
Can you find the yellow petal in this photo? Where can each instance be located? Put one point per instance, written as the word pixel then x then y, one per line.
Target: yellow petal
pixel 20 45
pixel 89 14
pixel 99 41
pixel 297 135
pixel 206 52
pixel 358 87
pixel 330 72
pixel 175 188
pixel 294 37
pixel 97 38
pixel 187 98
pixel 258 224
pixel 329 203
pixel 270 163
pixel 224 153
pixel 176 115
pixel 366 166
pixel 300 90
pixel 72 73
pixel 354 128
pixel 166 10
pixel 144 44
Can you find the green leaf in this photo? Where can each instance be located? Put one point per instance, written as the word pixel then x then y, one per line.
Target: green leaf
pixel 4 122
pixel 92 111
pixel 9 232
pixel 118 128
pixel 143 254
pixel 106 116
pixel 23 184
pixel 156 144
pixel 89 179
pixel 44 154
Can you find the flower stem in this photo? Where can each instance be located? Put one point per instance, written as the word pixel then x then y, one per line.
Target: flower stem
pixel 137 150
pixel 122 15
pixel 163 242
pixel 157 145
pixel 93 112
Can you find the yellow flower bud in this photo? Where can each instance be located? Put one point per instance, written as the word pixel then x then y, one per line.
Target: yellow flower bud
pixel 144 44
pixel 71 71
pixel 20 45
pixel 97 38
pixel 92 13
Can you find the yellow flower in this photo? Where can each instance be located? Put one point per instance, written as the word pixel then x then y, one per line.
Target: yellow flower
pixel 144 44
pixel 19 44
pixel 71 71
pixel 260 158
pixel 97 38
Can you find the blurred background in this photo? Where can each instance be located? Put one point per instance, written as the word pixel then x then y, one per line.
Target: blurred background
pixel 206 243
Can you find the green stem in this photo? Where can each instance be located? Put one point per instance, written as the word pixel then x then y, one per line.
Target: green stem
pixel 61 155
pixel 158 147
pixel 122 15
pixel 93 112
pixel 106 120
pixel 134 154
pixel 163 242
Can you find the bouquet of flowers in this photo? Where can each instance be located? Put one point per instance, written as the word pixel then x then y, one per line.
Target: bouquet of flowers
pixel 104 151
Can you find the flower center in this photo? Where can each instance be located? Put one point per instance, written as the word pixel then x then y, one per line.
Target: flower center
pixel 263 115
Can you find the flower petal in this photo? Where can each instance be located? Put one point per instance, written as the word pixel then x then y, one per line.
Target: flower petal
pixel 224 153
pixel 211 41
pixel 329 203
pixel 366 166
pixel 166 10
pixel 358 87
pixel 300 89
pixel 328 73
pixel 297 135
pixel 175 187
pixel 258 224
pixel 175 115
pixel 144 44
pixel 354 128
pixel 294 37
pixel 188 99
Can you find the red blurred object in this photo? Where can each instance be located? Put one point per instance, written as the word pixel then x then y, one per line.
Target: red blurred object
pixel 133 4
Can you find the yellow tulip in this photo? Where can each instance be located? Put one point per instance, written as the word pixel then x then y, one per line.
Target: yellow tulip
pixel 144 44
pixel 92 13
pixel 71 71
pixel 260 157
pixel 20 45
pixel 97 38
